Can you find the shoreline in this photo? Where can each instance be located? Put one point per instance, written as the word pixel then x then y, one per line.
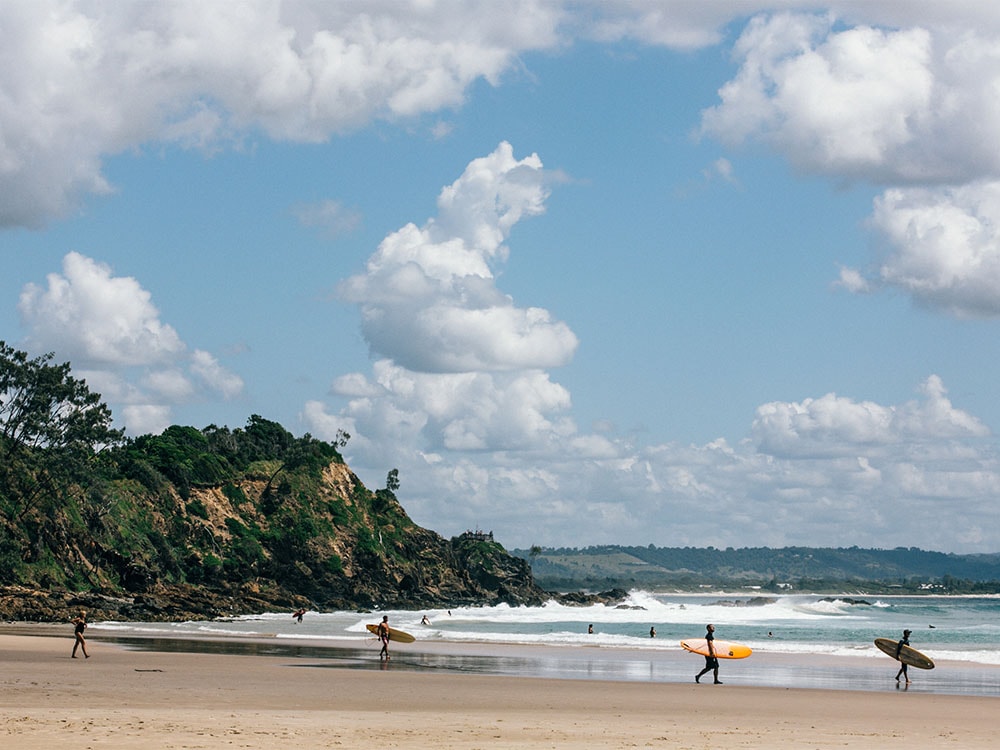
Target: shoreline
pixel 127 699
pixel 780 670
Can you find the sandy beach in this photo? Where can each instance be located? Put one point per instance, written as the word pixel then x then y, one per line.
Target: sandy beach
pixel 123 698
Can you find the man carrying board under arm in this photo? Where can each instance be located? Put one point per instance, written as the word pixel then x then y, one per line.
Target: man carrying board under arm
pixel 711 662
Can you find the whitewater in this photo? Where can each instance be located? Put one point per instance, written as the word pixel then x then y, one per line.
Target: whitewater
pixel 946 628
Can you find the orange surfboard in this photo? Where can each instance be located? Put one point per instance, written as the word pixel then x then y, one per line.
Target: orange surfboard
pixel 723 649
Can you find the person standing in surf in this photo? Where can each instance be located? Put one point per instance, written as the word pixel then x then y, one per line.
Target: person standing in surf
pixel 383 635
pixel 905 641
pixel 712 661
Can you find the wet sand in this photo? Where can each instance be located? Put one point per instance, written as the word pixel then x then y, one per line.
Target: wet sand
pixel 127 698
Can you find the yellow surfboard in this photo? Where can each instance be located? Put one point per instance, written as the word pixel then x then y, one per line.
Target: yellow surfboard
pixel 399 636
pixel 723 649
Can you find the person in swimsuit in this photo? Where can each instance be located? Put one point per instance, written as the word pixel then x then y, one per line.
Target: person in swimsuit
pixel 383 635
pixel 79 625
pixel 902 664
pixel 712 661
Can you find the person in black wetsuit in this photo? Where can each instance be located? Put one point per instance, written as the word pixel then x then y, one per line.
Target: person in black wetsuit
pixel 711 662
pixel 79 625
pixel 902 664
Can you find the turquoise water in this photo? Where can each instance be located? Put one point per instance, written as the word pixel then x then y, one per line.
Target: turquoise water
pixel 964 629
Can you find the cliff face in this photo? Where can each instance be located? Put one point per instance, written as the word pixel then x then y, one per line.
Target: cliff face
pixel 268 540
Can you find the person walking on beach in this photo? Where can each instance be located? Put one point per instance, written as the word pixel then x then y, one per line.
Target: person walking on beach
pixel 297 614
pixel 712 661
pixel 383 635
pixel 902 664
pixel 79 625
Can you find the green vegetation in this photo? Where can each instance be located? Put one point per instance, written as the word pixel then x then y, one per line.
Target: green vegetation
pixel 202 522
pixel 824 570
pixel 82 507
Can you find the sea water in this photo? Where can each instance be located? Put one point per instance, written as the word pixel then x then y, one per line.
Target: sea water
pixel 963 629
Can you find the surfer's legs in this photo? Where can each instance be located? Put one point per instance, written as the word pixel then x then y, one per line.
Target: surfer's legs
pixel 711 665
pixel 903 673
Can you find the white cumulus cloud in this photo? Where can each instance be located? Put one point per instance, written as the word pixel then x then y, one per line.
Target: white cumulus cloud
pixel 852 102
pixel 910 100
pixel 93 317
pixel 943 246
pixel 79 81
pixel 108 328
pixel 483 436
pixel 428 296
pixel 832 424
pixel 827 470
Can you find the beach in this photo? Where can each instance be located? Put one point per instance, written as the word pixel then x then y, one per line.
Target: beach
pixel 127 698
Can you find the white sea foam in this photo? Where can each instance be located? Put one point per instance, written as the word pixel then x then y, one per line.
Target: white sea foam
pixel 945 628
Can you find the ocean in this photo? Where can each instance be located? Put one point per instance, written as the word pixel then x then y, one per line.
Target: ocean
pixel 798 640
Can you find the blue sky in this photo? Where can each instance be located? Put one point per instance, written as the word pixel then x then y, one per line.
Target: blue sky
pixel 588 272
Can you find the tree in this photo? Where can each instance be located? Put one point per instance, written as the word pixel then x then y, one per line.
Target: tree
pixel 392 480
pixel 263 440
pixel 51 428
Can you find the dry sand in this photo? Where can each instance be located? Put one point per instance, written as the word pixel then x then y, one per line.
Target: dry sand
pixel 151 700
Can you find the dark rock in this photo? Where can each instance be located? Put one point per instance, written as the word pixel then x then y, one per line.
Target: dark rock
pixel 581 599
pixel 757 601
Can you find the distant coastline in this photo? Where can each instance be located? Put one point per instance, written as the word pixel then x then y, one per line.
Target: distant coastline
pixel 818 570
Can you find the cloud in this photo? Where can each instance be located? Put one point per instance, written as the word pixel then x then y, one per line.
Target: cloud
pixel 216 377
pixel 78 84
pixel 483 436
pixel 678 25
pixel 110 331
pixel 850 102
pixel 915 106
pixel 146 419
pixel 330 216
pixel 825 471
pixel 463 411
pixel 721 169
pixel 853 280
pixel 943 247
pixel 94 318
pixel 428 296
pixel 890 105
pixel 831 424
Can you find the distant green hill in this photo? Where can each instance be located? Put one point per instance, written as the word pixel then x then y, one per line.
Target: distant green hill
pixel 788 568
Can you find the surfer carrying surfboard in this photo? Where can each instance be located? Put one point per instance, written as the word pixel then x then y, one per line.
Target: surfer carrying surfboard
pixel 902 664
pixel 711 660
pixel 383 635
